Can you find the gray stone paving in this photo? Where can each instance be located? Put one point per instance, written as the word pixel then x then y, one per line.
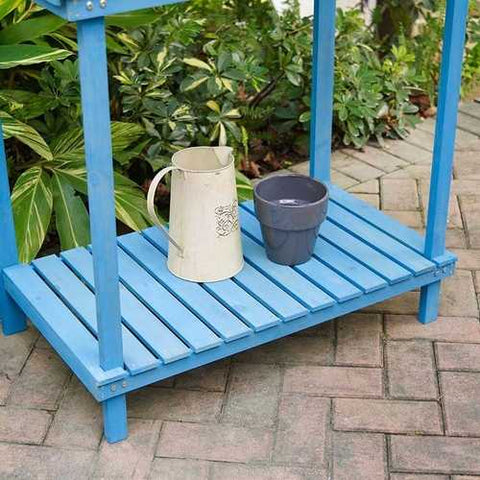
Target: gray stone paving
pixel 375 396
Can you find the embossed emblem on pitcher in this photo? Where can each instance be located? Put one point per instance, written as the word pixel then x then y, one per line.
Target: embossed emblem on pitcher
pixel 227 219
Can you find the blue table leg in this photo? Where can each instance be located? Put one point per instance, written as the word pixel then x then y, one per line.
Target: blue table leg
pixel 323 62
pixel 115 419
pixel 13 319
pixel 98 152
pixel 444 148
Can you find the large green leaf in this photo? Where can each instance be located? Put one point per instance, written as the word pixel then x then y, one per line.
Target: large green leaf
pixel 16 55
pixel 25 134
pixel 130 203
pixel 27 105
pixel 6 6
pixel 31 29
pixel 32 202
pixel 244 187
pixel 134 19
pixel 71 215
pixel 70 146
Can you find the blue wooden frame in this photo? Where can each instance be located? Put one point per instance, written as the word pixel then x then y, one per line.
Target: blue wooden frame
pixel 13 319
pixel 444 147
pixel 98 348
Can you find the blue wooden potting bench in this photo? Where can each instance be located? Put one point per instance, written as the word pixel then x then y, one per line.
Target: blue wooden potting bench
pixel 121 321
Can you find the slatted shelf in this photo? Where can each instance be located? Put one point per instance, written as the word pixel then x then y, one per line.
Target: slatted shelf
pixel 171 325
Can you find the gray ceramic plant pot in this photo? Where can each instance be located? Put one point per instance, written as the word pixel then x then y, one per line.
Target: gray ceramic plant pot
pixel 290 209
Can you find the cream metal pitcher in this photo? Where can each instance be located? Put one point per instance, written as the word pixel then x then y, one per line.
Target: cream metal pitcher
pixel 204 233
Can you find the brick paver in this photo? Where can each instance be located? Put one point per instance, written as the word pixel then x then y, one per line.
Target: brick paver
pixel 372 396
pixel 387 416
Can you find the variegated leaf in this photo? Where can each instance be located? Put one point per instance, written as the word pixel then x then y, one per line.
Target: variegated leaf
pixel 32 202
pixel 71 216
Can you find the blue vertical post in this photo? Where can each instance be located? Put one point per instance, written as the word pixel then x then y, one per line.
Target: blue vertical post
pixel 444 148
pixel 98 151
pixel 323 63
pixel 13 319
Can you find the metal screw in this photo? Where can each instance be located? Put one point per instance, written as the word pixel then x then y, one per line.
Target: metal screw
pixel 124 384
pixel 113 388
pixel 89 6
pixel 103 3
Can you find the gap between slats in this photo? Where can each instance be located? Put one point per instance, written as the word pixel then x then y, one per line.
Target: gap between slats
pixel 290 306
pixel 314 271
pixel 168 354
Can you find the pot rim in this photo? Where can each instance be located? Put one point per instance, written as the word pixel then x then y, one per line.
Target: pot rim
pixel 291 175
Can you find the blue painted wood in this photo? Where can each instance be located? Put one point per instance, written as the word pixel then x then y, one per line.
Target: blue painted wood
pixel 13 319
pixel 344 265
pixel 286 278
pixel 386 224
pixel 322 88
pixel 281 330
pixel 227 292
pixel 429 303
pixel 318 273
pixel 251 280
pixel 74 10
pixel 146 326
pixel 363 253
pixel 382 242
pixel 115 419
pixel 197 299
pixel 98 154
pixel 70 339
pixel 444 146
pixel 154 296
pixel 81 301
pixel 181 320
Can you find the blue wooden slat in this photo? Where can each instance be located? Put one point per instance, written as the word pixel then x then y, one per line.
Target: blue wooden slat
pixel 229 293
pixel 76 345
pixel 268 293
pixel 363 253
pixel 323 61
pixel 181 320
pixel 285 328
pixel 98 156
pixel 221 320
pixel 139 319
pixel 156 297
pixel 191 330
pixel 315 271
pixel 256 284
pixel 13 319
pixel 377 218
pixel 382 242
pixel 386 224
pixel 81 301
pixel 285 277
pixel 345 265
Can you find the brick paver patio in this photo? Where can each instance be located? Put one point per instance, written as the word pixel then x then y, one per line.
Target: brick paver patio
pixel 377 398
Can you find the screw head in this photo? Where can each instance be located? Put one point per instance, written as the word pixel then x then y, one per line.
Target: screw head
pixel 89 6
pixel 113 388
pixel 124 384
pixel 103 3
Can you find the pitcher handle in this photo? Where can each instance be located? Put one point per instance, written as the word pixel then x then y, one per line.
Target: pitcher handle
pixel 151 205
